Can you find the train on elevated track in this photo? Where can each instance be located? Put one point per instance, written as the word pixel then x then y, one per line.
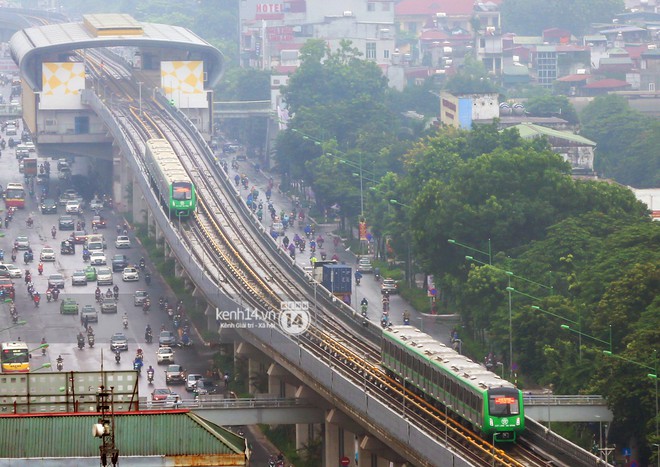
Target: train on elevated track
pixel 169 179
pixel 492 405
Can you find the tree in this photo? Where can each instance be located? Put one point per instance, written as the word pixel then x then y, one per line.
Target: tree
pixel 531 17
pixel 549 105
pixel 471 78
pixel 626 141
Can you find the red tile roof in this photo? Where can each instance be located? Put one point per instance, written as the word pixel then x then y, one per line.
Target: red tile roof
pixel 431 7
pixel 607 84
pixel 434 35
pixel 573 78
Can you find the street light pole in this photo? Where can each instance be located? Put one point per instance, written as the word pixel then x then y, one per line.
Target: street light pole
pixel 467 247
pixel 140 83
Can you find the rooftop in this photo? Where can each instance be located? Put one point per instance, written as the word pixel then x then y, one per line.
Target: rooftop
pixel 175 433
pixel 530 130
pixel 431 7
pixel 607 84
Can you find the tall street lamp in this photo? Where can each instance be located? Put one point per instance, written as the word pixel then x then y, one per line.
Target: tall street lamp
pixel 18 323
pixel 409 268
pixel 467 247
pixel 580 334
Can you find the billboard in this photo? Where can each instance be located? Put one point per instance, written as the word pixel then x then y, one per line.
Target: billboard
pixel 183 83
pixel 61 84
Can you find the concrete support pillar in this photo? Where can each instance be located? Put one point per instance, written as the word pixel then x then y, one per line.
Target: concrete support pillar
pixel 119 180
pixel 139 205
pixel 372 451
pixel 276 384
pixel 331 451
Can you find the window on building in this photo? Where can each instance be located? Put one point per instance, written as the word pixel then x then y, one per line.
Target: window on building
pixel 386 54
pixel 371 50
pixel 371 6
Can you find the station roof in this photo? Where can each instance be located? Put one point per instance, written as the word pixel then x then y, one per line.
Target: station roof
pixel 529 130
pixel 174 433
pixel 29 45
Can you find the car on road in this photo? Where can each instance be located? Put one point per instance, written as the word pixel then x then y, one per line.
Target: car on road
pixel 98 222
pixel 130 274
pixel 118 341
pixel 67 223
pixel 119 262
pixel 139 297
pixel 166 338
pixel 174 374
pixel 103 276
pixel 90 313
pixel 191 379
pixel 14 271
pixel 47 254
pixel 68 195
pixel 122 242
pixel 161 394
pixel 49 206
pixel 79 278
pixel 56 280
pixel 90 273
pixel 98 258
pixel 79 237
pixel 72 206
pixel 206 386
pixel 108 305
pixel 6 283
pixel 365 266
pixel 165 354
pixel 97 238
pixel 96 204
pixel 389 286
pixel 22 242
pixel 69 306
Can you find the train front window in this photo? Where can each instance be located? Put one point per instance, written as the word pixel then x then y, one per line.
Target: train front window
pixel 503 405
pixel 181 191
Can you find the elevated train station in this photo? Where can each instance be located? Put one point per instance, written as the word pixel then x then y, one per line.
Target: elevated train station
pixel 55 62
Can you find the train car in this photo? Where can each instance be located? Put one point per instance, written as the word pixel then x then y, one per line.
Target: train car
pixel 169 179
pixel 489 403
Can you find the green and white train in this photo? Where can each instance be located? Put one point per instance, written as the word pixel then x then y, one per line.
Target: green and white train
pixel 489 403
pixel 169 179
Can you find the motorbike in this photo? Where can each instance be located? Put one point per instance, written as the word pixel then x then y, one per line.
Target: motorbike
pixel 161 303
pixel 146 306
pixel 60 363
pixel 53 232
pixel 147 278
pixel 81 343
pixel 364 310
pixel 117 356
pixel 137 365
pixel 14 317
pixel 56 294
pixel 40 269
pixel 49 295
pixel 150 375
pixel 37 299
pixel 85 257
pixel 148 337
pixel 384 321
pixel 406 321
pixel 125 323
pixel 170 313
pixel 90 340
pixel 116 294
pixel 142 264
pixel 97 294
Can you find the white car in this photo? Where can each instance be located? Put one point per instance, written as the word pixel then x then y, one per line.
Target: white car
pixel 98 258
pixel 47 254
pixel 165 354
pixel 22 243
pixel 14 271
pixel 96 204
pixel 130 274
pixel 72 206
pixel 123 242
pixel 104 276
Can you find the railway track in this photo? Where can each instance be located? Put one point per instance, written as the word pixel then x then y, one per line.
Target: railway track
pixel 241 269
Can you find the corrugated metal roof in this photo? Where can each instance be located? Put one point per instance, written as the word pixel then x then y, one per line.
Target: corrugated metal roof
pixel 177 433
pixel 529 130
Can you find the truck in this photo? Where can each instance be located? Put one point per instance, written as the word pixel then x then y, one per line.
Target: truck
pixel 337 278
pixel 30 167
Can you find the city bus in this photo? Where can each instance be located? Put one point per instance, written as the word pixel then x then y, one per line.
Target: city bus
pixel 15 195
pixel 14 357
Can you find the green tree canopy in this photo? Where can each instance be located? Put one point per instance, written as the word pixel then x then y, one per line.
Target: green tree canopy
pixel 472 77
pixel 549 105
pixel 627 141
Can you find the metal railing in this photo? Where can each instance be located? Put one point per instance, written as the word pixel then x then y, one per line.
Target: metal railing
pixel 551 399
pixel 213 402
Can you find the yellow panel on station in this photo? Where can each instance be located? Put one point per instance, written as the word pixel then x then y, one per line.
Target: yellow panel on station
pixel 112 24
